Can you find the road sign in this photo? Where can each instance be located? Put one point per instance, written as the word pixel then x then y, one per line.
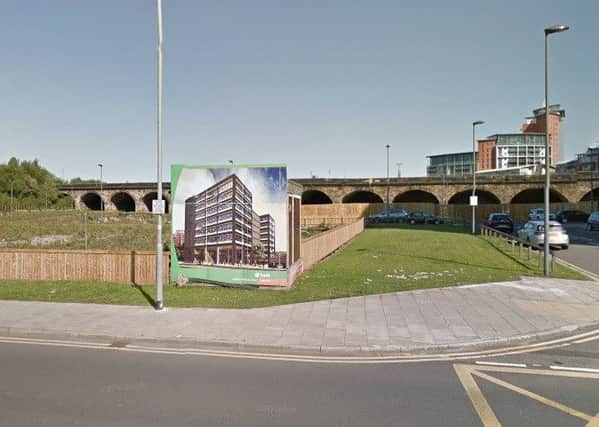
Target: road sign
pixel 158 207
pixel 473 200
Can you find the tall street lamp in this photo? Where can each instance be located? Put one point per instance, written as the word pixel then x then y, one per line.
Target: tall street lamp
pixel 473 201
pixel 387 146
pixel 100 165
pixel 548 31
pixel 159 294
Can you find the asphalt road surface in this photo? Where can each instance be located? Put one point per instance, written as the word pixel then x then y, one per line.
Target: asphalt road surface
pixel 584 248
pixel 53 386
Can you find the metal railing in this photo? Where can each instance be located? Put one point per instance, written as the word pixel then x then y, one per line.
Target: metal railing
pixel 519 245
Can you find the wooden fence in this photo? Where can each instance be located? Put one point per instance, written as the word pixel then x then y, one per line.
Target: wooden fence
pixel 129 267
pixel 319 246
pixel 333 214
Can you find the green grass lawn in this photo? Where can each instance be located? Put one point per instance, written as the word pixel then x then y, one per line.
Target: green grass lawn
pixel 65 229
pixel 382 259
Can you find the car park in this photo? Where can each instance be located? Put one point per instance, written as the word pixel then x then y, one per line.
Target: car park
pixel 571 215
pixel 501 222
pixel 533 232
pixel 593 221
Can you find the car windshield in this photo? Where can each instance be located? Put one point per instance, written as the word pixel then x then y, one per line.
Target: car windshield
pixel 500 217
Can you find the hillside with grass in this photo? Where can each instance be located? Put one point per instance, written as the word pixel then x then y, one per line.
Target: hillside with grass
pixel 69 229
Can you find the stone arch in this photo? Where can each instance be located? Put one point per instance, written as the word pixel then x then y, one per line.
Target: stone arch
pixel 315 197
pixel 147 199
pixel 484 198
pixel 123 201
pixel 362 196
pixel 587 197
pixel 537 195
pixel 92 201
pixel 416 196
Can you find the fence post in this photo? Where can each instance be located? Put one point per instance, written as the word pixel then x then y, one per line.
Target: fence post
pixel 552 261
pixel 85 227
pixel 540 259
pixel 529 252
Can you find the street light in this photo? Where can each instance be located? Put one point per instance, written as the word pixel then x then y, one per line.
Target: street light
pixel 387 146
pixel 549 30
pixel 473 201
pixel 399 169
pixel 159 301
pixel 100 165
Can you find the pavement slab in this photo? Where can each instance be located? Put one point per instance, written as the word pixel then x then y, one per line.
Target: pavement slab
pixel 452 317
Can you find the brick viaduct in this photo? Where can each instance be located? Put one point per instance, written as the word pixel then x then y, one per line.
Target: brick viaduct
pixel 508 189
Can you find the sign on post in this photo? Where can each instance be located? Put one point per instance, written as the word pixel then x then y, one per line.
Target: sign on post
pixel 158 207
pixel 473 200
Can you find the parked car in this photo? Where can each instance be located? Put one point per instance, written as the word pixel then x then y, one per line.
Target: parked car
pixel 533 232
pixel 593 221
pixel 388 216
pixel 417 217
pixel 500 222
pixel 571 215
pixel 420 217
pixel 538 214
pixel 429 218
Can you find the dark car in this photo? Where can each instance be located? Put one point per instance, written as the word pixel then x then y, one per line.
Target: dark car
pixel 593 221
pixel 432 219
pixel 500 222
pixel 417 218
pixel 572 215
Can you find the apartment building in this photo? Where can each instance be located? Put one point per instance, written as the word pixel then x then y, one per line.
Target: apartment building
pixel 267 235
pixel 222 228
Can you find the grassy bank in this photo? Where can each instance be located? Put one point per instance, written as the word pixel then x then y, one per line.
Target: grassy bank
pixel 379 260
pixel 67 229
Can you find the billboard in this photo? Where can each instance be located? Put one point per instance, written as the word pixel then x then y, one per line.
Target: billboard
pixel 229 225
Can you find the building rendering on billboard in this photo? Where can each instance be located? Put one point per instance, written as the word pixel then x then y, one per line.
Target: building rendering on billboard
pixel 230 225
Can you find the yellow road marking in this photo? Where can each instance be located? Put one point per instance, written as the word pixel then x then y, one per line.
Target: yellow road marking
pixel 466 375
pixel 594 422
pixel 482 407
pixel 537 397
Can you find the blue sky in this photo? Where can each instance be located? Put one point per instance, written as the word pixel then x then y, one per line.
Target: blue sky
pixel 319 85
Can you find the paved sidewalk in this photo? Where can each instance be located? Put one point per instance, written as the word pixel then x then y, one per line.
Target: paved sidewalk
pixel 402 322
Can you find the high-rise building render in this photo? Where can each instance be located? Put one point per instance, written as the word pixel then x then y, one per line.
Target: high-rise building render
pixel 267 235
pixel 220 225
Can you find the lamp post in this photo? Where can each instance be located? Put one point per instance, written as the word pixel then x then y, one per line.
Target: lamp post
pixel 399 169
pixel 12 187
pixel 472 201
pixel 387 207
pixel 548 31
pixel 100 165
pixel 159 297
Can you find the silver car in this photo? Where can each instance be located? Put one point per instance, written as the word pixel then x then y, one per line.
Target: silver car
pixel 533 232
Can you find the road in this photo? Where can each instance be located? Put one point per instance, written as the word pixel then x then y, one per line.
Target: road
pixel 53 386
pixel 584 248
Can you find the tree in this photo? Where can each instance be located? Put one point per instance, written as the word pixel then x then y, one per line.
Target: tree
pixel 259 252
